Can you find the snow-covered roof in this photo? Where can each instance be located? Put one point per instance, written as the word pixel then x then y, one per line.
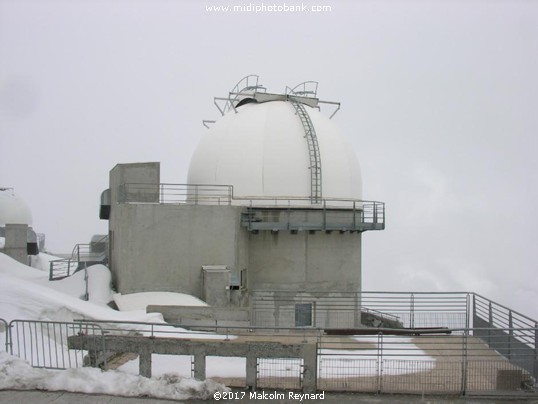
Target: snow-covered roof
pixel 139 301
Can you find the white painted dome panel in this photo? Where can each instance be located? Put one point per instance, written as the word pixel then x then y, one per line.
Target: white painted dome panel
pixel 13 210
pixel 262 151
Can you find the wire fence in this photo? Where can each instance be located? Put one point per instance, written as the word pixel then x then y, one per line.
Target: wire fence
pixel 424 353
pixel 280 373
pixel 458 361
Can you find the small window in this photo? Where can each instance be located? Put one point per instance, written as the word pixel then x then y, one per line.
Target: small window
pixel 303 315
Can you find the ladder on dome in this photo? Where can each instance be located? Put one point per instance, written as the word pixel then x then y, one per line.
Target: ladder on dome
pixel 313 151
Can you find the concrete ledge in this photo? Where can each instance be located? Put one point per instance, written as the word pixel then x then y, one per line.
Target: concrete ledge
pixel 251 350
pixel 200 316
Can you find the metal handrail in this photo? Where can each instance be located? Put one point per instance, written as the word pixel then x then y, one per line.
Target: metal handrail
pixel 169 193
pixel 65 267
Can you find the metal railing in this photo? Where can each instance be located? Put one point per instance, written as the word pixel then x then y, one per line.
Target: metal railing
pixel 329 215
pixel 456 362
pixel 176 194
pixel 410 309
pixel 82 253
pixel 422 309
pixel 44 343
pixel 266 213
pixel 4 335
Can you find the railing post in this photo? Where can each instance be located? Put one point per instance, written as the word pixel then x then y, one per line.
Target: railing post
pixel 412 311
pixel 474 308
pixel 354 218
pixel 324 215
pixel 464 354
pixel 535 351
pixel 490 321
pixel 467 310
pixel 510 333
pixel 379 362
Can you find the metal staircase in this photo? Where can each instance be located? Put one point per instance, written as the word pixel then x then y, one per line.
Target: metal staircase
pixel 83 255
pixel 313 150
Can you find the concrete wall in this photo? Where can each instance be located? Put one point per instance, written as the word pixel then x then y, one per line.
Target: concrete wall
pixel 16 242
pixel 163 247
pixel 331 309
pixel 137 173
pixel 318 261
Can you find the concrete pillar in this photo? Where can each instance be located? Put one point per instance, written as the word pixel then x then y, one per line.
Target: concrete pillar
pixel 16 242
pixel 199 365
pixel 144 363
pixel 252 365
pixel 310 375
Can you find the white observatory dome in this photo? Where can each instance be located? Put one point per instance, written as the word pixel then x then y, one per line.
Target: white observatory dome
pixel 262 151
pixel 13 210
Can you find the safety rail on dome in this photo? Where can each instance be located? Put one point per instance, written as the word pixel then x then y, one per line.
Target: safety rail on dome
pixel 246 87
pixel 304 89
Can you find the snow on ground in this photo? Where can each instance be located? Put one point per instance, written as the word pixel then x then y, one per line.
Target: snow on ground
pixel 42 261
pixel 19 375
pixel 216 366
pixel 139 301
pixel 26 293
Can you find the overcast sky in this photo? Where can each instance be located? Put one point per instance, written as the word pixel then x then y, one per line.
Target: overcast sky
pixel 439 99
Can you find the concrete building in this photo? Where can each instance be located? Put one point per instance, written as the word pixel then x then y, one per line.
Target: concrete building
pixel 19 239
pixel 270 220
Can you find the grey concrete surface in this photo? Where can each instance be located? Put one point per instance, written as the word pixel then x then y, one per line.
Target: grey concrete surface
pixel 61 397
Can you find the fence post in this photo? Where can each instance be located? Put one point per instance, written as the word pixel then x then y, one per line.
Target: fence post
pixel 379 362
pixel 468 311
pixel 324 215
pixel 412 311
pixel 464 353
pixel 354 217
pixel 490 321
pixel 510 333
pixel 86 294
pixel 535 351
